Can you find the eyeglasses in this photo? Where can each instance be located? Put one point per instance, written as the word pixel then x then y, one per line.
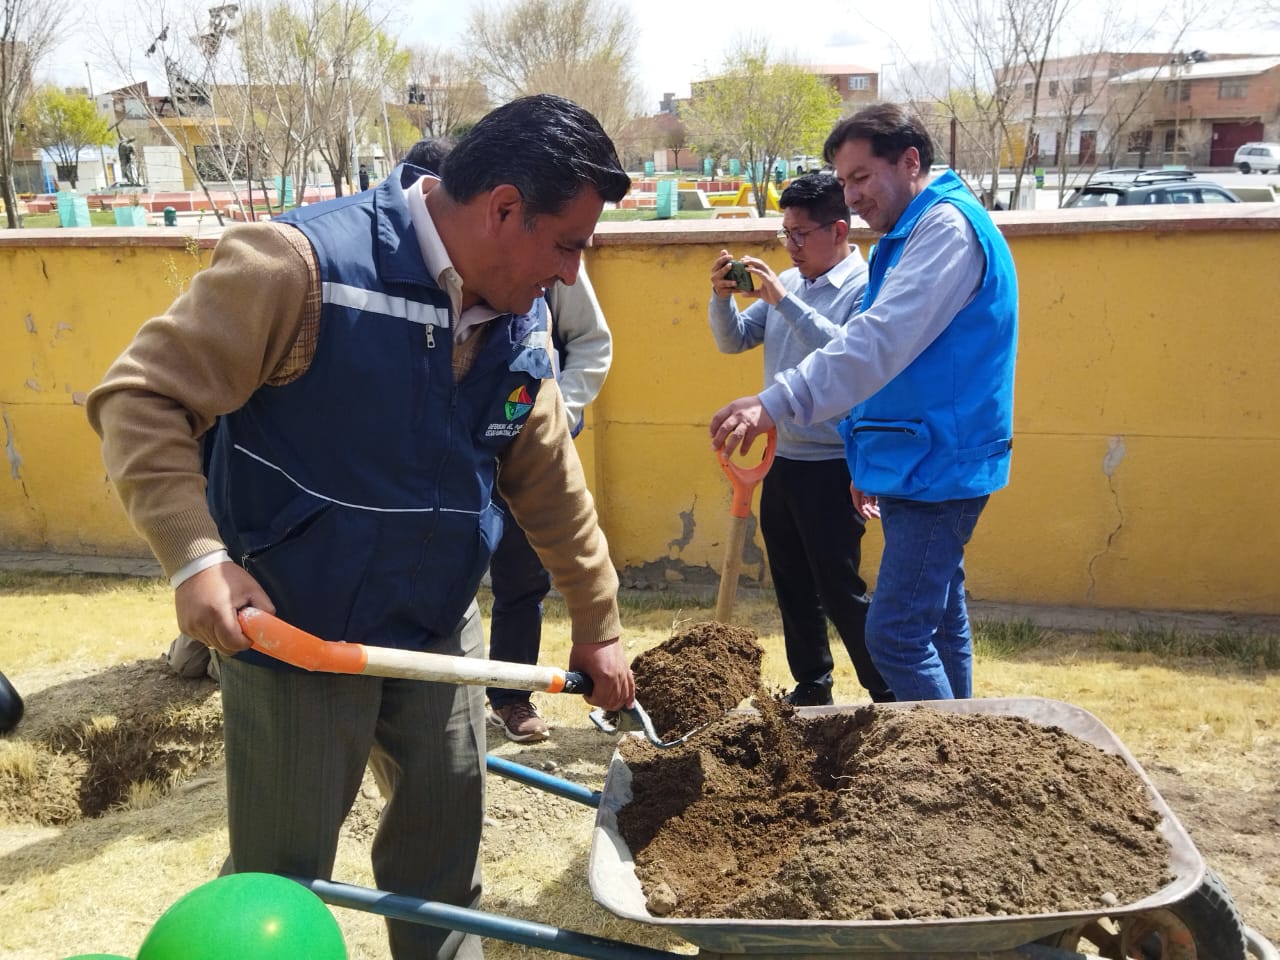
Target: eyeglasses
pixel 798 237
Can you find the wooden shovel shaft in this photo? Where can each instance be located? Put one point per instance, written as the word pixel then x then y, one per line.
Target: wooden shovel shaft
pixel 743 480
pixel 731 569
pixel 274 637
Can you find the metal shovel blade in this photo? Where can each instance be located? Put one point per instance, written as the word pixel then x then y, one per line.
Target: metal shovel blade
pixel 635 718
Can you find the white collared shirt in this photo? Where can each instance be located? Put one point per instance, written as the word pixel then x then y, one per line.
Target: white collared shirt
pixel 437 260
pixel 841 272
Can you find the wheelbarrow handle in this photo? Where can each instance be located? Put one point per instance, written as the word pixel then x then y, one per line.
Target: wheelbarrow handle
pixel 744 479
pixel 289 644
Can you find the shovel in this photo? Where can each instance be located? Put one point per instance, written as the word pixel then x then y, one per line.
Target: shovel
pixel 272 636
pixel 743 480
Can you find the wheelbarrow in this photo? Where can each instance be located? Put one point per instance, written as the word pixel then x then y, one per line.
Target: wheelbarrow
pixel 1190 918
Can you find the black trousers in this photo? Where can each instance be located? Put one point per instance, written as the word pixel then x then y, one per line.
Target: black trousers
pixel 814 540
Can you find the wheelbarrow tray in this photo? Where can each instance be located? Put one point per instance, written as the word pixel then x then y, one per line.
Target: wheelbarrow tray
pixel 614 885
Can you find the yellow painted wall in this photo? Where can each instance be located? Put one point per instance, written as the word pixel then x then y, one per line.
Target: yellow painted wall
pixel 71 302
pixel 1147 415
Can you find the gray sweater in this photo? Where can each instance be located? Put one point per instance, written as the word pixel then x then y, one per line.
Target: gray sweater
pixel 805 320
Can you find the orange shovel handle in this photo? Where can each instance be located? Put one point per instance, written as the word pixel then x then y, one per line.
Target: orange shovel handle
pixel 276 638
pixel 289 644
pixel 744 479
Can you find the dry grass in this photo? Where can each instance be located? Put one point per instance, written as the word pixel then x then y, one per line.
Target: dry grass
pixel 98 885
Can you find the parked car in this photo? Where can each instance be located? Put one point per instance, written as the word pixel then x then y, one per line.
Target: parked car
pixel 1130 186
pixel 1262 157
pixel 801 164
pixel 120 186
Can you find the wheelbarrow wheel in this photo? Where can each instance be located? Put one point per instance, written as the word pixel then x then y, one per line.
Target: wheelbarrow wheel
pixel 1204 926
pixel 11 705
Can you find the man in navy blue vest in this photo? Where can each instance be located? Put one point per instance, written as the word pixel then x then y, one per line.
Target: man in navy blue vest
pixel 350 378
pixel 584 351
pixel 925 372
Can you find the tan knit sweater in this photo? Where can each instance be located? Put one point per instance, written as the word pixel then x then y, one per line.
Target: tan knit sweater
pixel 250 321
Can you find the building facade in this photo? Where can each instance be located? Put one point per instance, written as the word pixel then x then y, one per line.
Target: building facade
pixel 1202 108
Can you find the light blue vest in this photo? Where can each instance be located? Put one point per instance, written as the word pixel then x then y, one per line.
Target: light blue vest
pixel 360 494
pixel 943 428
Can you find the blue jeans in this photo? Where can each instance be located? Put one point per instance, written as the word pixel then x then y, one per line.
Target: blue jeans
pixel 918 626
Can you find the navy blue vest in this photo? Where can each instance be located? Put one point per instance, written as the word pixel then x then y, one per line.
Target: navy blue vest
pixel 360 494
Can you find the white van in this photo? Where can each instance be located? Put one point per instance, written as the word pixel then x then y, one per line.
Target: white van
pixel 1262 157
pixel 802 164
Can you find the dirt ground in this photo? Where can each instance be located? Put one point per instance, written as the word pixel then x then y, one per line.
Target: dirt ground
pixel 93 743
pixel 975 785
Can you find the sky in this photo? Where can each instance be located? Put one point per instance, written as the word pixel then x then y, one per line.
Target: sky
pixel 677 48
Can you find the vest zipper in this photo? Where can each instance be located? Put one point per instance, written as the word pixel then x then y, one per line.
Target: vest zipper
pixel 431 336
pixel 883 430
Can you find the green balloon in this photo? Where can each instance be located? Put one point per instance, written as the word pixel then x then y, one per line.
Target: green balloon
pixel 246 916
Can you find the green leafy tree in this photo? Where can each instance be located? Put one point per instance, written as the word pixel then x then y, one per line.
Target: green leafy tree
pixel 64 124
pixel 762 109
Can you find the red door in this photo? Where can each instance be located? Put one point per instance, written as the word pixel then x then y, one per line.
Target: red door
pixel 1228 136
pixel 1088 147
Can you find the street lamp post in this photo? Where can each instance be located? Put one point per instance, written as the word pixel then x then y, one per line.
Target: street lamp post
pixel 102 150
pixel 343 65
pixel 880 84
pixel 352 178
pixel 1178 65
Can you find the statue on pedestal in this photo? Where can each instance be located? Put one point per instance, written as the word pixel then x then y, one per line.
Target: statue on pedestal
pixel 125 151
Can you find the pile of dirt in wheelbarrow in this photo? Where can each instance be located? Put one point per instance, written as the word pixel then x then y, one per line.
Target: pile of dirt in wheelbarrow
pixel 697 676
pixel 887 813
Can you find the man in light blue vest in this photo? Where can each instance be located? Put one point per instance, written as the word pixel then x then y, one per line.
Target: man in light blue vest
pixel 925 372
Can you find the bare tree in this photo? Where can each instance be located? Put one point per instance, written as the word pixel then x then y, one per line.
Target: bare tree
pixel 279 47
pixel 190 48
pixel 353 49
pixel 992 66
pixel 580 49
pixel 444 92
pixel 676 139
pixel 263 87
pixel 763 109
pixel 28 32
pixel 977 44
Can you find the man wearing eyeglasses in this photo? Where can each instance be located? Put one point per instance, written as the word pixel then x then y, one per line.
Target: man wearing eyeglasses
pixel 925 371
pixel 811 530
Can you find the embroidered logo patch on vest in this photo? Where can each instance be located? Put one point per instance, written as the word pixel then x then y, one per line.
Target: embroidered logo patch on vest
pixel 518 403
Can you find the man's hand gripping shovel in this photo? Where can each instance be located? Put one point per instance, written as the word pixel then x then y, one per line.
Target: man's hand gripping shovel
pixel 272 636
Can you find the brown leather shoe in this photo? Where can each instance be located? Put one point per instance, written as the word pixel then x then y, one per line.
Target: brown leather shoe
pixel 520 721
